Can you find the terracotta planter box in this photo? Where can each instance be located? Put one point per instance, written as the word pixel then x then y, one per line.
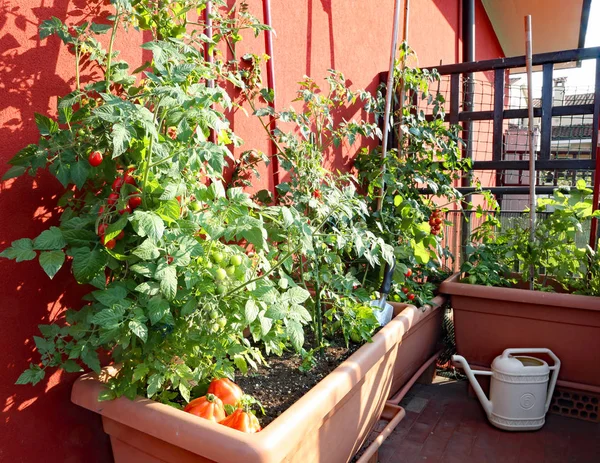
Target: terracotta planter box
pixel 328 424
pixel 489 319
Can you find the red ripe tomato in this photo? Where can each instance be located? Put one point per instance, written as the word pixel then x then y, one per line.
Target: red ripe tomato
pixel 101 210
pixel 102 229
pixel 112 199
pixel 127 178
pixel 95 158
pixel 172 133
pixel 126 209
pixel 117 184
pixel 110 244
pixel 242 421
pixel 408 273
pixel 226 390
pixel 135 202
pixel 317 194
pixel 405 290
pixel 209 407
pixel 120 236
pixel 411 297
pixel 169 260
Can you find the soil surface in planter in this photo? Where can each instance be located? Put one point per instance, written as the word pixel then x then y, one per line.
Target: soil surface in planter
pixel 281 384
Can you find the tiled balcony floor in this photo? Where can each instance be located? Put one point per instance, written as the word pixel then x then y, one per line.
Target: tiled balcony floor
pixel 444 424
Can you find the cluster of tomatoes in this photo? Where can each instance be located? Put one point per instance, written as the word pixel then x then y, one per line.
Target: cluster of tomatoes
pixel 435 222
pixel 226 268
pixel 134 201
pixel 211 406
pixel 406 290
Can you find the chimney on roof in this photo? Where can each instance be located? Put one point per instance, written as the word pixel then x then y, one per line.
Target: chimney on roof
pixel 558 95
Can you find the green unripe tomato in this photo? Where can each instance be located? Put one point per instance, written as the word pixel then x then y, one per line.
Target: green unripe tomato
pixel 81 132
pixel 221 289
pixel 240 273
pixel 222 322
pixel 218 256
pixel 230 270
pixel 214 314
pixel 220 274
pixel 209 264
pixel 236 260
pixel 194 206
pixel 214 327
pixel 355 337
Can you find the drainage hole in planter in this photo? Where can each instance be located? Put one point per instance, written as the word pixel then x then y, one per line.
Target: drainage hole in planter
pixel 565 403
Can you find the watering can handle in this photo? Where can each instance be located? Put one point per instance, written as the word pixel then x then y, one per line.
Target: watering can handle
pixel 555 368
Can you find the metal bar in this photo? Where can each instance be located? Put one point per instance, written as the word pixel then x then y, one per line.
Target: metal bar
pixel 546 136
pixel 548 164
pixel 389 92
pixel 503 190
pixel 596 194
pixel 498 113
pixel 563 56
pixel 532 153
pixel 454 98
pixel 570 110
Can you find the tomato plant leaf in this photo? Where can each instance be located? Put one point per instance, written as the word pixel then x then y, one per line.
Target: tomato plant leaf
pixel 33 375
pixel 139 329
pixel 141 370
pixel 297 295
pixel 154 383
pixel 149 224
pixel 20 250
pixel 51 262
pixel 147 250
pixel 71 366
pixel 121 136
pixel 80 172
pixel 157 309
pixel 250 311
pixel 168 281
pixel 296 334
pixel 87 263
pixel 50 240
pixel 111 296
pixel 45 125
pixel 108 318
pixel 78 237
pixel 90 358
pixel 14 171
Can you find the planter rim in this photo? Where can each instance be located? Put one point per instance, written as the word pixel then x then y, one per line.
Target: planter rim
pixel 311 408
pixel 451 286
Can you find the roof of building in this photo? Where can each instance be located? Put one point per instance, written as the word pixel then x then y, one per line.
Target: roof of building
pixel 571 132
pixel 570 100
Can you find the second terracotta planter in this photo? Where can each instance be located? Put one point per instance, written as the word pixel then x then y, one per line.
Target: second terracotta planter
pixel 489 319
pixel 328 424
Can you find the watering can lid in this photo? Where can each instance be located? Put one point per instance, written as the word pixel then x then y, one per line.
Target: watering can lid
pixel 520 365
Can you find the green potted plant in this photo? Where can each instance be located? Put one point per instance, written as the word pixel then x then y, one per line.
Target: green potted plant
pixel 494 308
pixel 190 279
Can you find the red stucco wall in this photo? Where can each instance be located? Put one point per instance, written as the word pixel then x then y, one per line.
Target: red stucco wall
pixel 40 423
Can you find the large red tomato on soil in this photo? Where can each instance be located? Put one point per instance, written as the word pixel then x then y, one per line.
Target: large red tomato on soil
pixel 226 390
pixel 242 421
pixel 208 407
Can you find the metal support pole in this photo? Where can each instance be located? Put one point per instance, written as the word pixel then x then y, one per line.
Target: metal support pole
pixel 389 92
pixel 468 36
pixel 532 173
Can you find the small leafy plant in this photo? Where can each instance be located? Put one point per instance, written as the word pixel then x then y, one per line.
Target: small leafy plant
pixel 554 255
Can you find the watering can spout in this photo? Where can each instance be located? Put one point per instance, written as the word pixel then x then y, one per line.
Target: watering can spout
pixel 462 362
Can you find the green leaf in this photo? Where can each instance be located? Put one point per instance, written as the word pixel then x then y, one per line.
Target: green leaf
pixel 14 171
pixel 121 136
pixel 297 295
pixel 78 237
pixel 241 364
pixel 141 370
pixel 45 125
pixel 108 318
pixel 52 261
pixel 265 324
pixel 33 375
pixel 100 28
pixel 80 172
pixel 90 358
pixel 50 240
pixel 154 383
pixel 296 334
pixel 149 224
pixel 250 311
pixel 184 390
pixel 168 281
pixel 113 230
pixel 158 308
pixel 151 288
pixel 169 210
pixel 110 296
pixel 189 307
pixel 20 250
pixel 139 329
pixel 87 263
pixel 71 366
pixel 147 251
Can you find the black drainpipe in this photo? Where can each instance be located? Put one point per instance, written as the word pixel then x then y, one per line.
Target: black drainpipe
pixel 468 38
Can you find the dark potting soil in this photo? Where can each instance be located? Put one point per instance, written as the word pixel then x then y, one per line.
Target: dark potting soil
pixel 281 383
